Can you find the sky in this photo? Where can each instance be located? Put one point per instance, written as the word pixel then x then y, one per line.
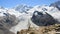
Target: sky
pixel 12 3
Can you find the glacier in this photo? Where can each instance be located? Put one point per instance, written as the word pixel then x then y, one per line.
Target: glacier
pixel 18 18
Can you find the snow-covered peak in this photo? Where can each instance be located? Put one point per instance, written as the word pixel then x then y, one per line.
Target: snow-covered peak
pixel 3 12
pixel 22 8
pixel 56 4
pixel 13 12
pixel 1 7
pixel 43 9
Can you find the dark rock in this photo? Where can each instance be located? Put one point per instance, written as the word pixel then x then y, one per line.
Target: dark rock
pixel 43 19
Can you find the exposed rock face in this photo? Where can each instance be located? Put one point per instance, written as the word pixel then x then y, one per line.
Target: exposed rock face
pixel 41 19
pixel 6 22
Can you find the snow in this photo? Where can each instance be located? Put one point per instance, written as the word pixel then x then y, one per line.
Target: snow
pixel 2 11
pixel 23 24
pixel 25 19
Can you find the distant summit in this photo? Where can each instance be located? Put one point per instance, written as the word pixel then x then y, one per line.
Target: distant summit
pixel 56 4
pixel 1 7
pixel 22 8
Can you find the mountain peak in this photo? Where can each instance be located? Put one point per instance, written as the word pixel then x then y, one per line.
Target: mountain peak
pixel 1 7
pixel 22 8
pixel 56 4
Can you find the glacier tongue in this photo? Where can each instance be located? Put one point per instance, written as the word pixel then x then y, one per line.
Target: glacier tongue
pixel 23 24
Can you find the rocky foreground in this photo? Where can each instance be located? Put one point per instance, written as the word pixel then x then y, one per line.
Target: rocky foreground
pixel 52 29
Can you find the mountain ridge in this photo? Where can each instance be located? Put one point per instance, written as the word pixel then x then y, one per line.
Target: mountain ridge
pixel 19 17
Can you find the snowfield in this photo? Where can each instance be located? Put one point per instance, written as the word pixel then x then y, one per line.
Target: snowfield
pixel 23 18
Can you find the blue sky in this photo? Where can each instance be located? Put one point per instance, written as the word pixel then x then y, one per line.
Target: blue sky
pixel 12 3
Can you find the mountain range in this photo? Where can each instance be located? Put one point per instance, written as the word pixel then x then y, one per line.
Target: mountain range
pixel 19 17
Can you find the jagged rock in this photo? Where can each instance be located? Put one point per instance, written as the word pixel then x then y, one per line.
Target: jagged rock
pixel 41 19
